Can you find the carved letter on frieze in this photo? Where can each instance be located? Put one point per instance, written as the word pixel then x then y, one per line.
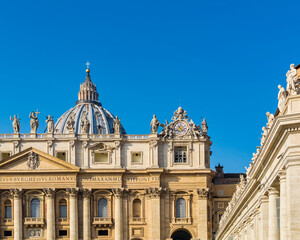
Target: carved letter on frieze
pixel 33 161
pixel 202 192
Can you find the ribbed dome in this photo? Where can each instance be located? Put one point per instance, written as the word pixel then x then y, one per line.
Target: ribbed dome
pixel 87 112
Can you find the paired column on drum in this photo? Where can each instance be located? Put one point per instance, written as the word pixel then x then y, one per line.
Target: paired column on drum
pixel 50 192
pixel 273 225
pixel 118 194
pixel 18 226
pixel 86 214
pixel 73 192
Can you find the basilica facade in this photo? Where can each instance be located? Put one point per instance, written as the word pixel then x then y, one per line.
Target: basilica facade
pixel 87 179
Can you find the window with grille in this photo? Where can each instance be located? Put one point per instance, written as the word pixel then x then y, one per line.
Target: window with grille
pixel 7 205
pixel 180 154
pixel 63 210
pixel 102 208
pixel 180 208
pixel 35 208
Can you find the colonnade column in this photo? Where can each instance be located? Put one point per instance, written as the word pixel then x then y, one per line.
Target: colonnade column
pixel 73 192
pixel 273 227
pixel 118 192
pixel 202 213
pixel 154 194
pixel 283 205
pixel 18 226
pixel 264 215
pixel 86 214
pixel 50 192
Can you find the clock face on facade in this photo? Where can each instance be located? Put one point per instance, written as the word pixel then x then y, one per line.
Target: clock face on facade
pixel 180 128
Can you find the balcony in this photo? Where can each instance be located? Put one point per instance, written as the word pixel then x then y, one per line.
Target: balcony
pixel 34 222
pixel 62 221
pixel 182 221
pixel 8 221
pixel 102 222
pixel 137 220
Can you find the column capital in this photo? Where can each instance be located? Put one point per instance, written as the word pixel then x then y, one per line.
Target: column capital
pixel 202 193
pixel 282 175
pixel 272 191
pixel 50 192
pixel 154 192
pixel 86 193
pixel 72 192
pixel 17 192
pixel 263 199
pixel 118 192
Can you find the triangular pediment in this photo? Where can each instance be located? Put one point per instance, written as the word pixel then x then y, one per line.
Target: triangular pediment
pixel 34 160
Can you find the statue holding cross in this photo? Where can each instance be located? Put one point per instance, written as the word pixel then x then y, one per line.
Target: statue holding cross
pixel 34 121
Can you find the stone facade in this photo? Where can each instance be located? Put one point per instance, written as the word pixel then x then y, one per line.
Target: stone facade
pixel 87 179
pixel 265 205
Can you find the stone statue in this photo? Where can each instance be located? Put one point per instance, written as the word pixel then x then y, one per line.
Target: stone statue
pixel 281 98
pixel 16 123
pixel 85 124
pixel 167 130
pixel 194 129
pixel 291 79
pixel 154 124
pixel 264 135
pixel 204 126
pixel 71 123
pixel 50 124
pixel 270 117
pixel 34 121
pixel 117 125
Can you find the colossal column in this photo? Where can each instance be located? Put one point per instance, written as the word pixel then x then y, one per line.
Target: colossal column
pixel 264 215
pixel 118 192
pixel 86 214
pixel 50 213
pixel 154 194
pixel 202 213
pixel 18 226
pixel 283 205
pixel 273 227
pixel 73 213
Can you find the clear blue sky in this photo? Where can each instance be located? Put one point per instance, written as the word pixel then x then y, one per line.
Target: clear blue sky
pixel 221 60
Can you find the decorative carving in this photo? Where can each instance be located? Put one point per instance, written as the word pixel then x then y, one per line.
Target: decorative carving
pixel 86 193
pixel 85 144
pixel 72 144
pixel 117 144
pixel 281 98
pixel 85 123
pixel 16 144
pixel 34 232
pixel 72 192
pixel 118 192
pixel 154 124
pixel 292 81
pixel 153 192
pixel 117 125
pixel 270 117
pixel 34 121
pixel 50 192
pixel 50 144
pixel 50 124
pixel 33 160
pixel 153 143
pixel 203 192
pixel 71 123
pixel 17 192
pixel 180 114
pixel 16 123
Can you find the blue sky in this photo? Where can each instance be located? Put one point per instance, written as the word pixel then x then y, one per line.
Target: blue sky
pixel 221 60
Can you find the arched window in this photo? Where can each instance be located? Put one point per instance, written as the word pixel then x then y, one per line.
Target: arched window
pixel 180 208
pixel 102 208
pixel 63 210
pixel 137 204
pixel 7 205
pixel 35 208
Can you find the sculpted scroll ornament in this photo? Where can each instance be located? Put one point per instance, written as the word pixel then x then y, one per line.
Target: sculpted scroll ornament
pixel 203 192
pixel 33 160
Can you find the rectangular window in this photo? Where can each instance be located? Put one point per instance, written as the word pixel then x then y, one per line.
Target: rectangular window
pixel 62 233
pixel 7 233
pixel 101 157
pixel 220 192
pixel 63 212
pixel 102 232
pixel 180 154
pixel 136 157
pixel 8 212
pixel 61 155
